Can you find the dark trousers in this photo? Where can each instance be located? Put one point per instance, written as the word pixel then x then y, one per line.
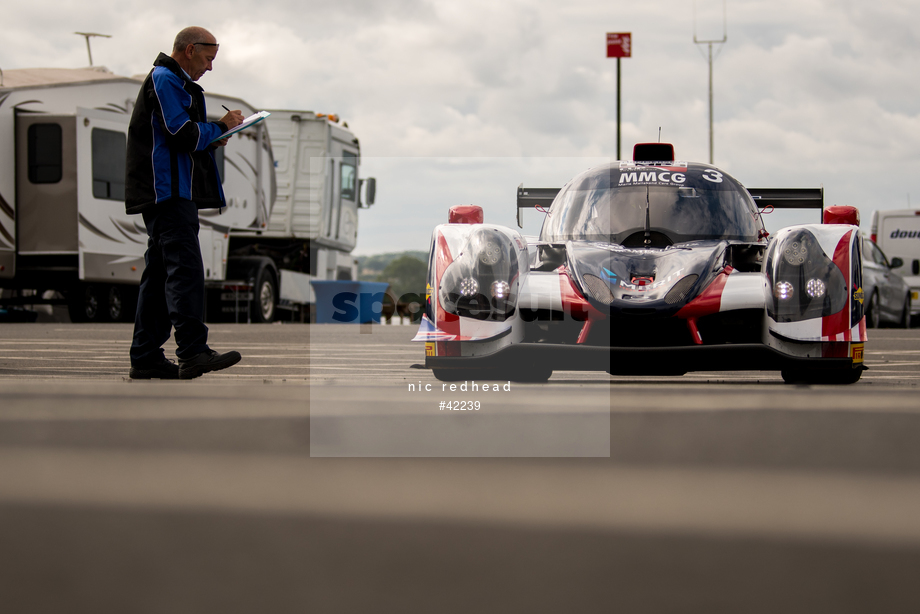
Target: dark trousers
pixel 172 285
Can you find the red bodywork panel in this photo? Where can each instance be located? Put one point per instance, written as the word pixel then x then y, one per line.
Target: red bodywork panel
pixel 708 302
pixel 447 322
pixel 839 322
pixel 576 305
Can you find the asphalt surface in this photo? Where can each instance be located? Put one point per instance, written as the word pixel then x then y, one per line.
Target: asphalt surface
pixel 311 478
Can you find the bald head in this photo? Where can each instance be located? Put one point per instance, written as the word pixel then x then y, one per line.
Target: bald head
pixel 194 50
pixel 190 36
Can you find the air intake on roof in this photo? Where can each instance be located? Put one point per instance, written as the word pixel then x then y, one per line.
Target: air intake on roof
pixel 653 152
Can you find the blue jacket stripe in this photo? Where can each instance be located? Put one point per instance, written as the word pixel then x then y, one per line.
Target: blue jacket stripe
pixel 160 159
pixel 174 100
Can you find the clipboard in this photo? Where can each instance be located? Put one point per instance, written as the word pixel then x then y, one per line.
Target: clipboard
pixel 252 120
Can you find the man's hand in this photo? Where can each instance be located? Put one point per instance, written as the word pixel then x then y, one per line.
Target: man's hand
pixel 232 119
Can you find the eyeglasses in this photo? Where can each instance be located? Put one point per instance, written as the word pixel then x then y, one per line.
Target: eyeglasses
pixel 208 44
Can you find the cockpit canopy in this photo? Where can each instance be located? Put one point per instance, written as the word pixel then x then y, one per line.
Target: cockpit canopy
pixel 683 202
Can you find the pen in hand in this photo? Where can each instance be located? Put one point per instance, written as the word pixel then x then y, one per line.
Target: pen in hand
pixel 232 115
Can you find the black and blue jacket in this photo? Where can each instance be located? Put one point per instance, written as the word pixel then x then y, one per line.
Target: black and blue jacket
pixel 169 152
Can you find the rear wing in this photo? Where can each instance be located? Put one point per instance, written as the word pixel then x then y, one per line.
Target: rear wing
pixel 788 198
pixel 531 198
pixel 778 198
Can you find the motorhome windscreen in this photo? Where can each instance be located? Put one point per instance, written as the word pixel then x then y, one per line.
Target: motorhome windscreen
pixel 349 172
pixel 684 204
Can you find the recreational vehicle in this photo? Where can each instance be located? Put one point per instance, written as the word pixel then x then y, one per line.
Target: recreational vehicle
pixel 65 236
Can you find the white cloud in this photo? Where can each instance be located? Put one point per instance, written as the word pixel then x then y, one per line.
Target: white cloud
pixel 807 92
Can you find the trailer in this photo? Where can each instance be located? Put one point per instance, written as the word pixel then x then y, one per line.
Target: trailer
pixel 65 236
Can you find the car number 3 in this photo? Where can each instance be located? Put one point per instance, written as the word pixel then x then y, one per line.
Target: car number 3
pixel 712 175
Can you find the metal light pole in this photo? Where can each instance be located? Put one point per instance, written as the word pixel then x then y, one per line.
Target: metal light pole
pixel 87 36
pixel 619 89
pixel 619 45
pixel 709 44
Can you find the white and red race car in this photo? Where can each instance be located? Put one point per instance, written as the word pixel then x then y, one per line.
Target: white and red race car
pixel 647 267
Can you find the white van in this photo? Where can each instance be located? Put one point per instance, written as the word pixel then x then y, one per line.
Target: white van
pixel 898 234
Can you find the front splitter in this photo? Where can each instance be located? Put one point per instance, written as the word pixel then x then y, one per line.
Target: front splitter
pixel 670 360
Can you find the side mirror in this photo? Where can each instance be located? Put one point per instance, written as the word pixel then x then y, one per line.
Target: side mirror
pixel 370 193
pixel 896 263
pixel 915 267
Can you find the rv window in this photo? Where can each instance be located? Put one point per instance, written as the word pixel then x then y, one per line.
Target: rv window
pixel 45 146
pixel 108 164
pixel 349 174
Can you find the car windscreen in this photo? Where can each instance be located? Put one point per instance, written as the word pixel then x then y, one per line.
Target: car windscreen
pixel 683 203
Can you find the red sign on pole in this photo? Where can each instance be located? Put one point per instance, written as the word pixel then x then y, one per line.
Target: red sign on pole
pixel 619 44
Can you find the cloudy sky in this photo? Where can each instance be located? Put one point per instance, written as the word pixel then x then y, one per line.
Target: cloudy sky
pixel 460 102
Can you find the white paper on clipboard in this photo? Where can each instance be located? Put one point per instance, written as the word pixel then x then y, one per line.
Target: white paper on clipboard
pixel 253 119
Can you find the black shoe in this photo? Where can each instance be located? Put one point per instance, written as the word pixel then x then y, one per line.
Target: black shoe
pixel 205 363
pixel 160 369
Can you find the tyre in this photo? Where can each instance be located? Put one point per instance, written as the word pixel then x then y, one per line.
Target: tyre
pixel 450 375
pixel 85 304
pixel 265 297
pixel 115 304
pixel 905 313
pixel 873 317
pixel 829 377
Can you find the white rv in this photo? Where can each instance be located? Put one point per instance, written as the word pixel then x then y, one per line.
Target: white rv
pixel 63 226
pixel 897 233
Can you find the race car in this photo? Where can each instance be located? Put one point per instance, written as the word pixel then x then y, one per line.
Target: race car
pixel 652 266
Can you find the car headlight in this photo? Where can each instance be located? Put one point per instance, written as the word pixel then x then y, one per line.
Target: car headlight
pixel 501 289
pixel 783 290
pixel 482 282
pixel 795 253
pixel 806 283
pixel 490 253
pixel 468 286
pixel 815 288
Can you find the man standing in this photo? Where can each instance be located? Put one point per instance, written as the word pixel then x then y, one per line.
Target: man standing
pixel 171 173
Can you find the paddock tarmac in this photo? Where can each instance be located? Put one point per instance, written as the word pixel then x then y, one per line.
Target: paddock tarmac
pixel 322 475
